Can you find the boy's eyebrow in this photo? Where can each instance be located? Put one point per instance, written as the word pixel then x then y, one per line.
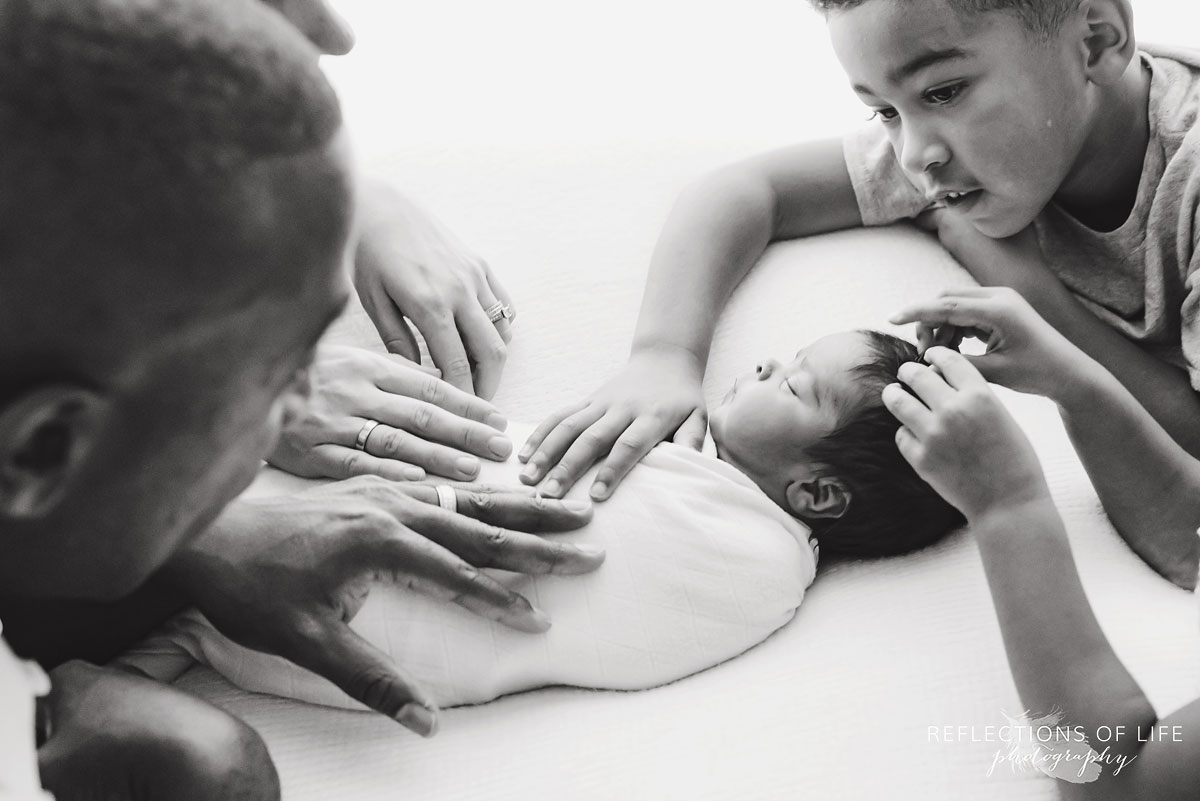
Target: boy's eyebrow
pixel 923 61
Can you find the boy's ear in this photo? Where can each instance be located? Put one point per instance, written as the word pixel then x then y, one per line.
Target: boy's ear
pixel 821 496
pixel 46 436
pixel 1108 43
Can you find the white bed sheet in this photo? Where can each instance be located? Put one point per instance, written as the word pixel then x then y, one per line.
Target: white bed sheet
pixel 836 705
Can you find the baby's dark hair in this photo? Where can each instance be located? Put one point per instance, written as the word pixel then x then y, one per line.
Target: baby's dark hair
pixel 1042 17
pixel 892 510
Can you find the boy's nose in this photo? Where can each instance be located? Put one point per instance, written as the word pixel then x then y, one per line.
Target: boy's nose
pixel 764 369
pixel 923 153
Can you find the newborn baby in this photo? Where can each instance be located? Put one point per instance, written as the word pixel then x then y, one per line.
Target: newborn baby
pixel 706 555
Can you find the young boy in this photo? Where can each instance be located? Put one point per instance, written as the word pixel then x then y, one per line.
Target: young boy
pixel 960 438
pixel 1050 154
pixel 708 555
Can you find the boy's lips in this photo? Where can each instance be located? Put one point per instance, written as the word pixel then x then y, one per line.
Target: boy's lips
pixel 959 200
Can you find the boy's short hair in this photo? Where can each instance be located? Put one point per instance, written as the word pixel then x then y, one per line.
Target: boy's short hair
pixel 892 510
pixel 1043 17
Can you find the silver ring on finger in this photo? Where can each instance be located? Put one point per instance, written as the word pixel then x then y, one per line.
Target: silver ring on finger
pixel 447 497
pixel 364 433
pixel 499 311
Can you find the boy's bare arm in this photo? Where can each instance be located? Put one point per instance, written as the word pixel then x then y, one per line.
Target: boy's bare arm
pixel 717 230
pixel 959 438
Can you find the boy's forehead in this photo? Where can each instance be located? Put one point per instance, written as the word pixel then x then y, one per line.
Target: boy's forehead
pixel 884 43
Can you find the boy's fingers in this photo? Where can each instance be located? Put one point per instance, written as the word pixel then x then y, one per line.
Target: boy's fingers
pixel 638 440
pixel 367 675
pixel 929 386
pixel 958 370
pixel 557 442
pixel 691 433
pixel 907 409
pixel 544 428
pixel 589 447
pixel 947 310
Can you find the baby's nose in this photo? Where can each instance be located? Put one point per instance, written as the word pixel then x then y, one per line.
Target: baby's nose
pixel 765 369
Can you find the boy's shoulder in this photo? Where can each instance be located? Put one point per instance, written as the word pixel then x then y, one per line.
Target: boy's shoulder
pixel 1175 93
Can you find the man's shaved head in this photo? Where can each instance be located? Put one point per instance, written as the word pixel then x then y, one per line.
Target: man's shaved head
pixel 175 206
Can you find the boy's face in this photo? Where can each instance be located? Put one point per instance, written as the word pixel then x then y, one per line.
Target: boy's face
pixel 973 104
pixel 770 416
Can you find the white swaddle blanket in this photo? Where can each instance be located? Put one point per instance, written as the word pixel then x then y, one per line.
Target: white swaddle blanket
pixel 701 565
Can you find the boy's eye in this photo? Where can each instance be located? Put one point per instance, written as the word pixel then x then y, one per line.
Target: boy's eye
pixel 944 94
pixel 885 114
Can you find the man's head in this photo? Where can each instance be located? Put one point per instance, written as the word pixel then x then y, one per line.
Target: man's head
pixel 175 208
pixel 989 104
pixel 815 436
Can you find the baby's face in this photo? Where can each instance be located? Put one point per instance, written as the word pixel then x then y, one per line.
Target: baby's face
pixel 771 415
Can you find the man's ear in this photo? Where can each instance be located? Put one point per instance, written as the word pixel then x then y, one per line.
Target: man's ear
pixel 46 436
pixel 1108 41
pixel 819 496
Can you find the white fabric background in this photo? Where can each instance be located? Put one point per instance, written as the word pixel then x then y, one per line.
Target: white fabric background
pixel 553 137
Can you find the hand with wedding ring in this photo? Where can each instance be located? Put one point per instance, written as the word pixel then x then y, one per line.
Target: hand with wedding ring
pixel 409 265
pixel 286 575
pixel 372 414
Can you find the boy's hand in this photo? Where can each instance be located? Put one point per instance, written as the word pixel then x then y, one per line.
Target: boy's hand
pixel 286 575
pixel 1024 352
pixel 410 265
pixel 959 437
pixel 123 737
pixel 657 396
pixel 425 424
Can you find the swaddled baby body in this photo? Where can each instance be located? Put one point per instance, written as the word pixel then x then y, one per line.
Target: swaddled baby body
pixel 706 555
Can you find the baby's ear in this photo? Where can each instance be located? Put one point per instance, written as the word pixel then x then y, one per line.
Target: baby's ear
pixel 822 496
pixel 46 436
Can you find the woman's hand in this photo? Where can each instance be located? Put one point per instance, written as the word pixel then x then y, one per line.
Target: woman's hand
pixel 656 397
pixel 959 437
pixel 424 423
pixel 410 265
pixel 1024 352
pixel 286 575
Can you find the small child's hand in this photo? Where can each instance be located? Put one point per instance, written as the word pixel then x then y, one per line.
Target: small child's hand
pixel 959 437
pixel 1024 352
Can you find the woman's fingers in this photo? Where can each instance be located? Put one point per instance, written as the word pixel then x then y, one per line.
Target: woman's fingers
pixel 435 425
pixel 420 383
pixel 523 510
pixel 486 348
pixel 447 350
pixel 391 443
pixel 338 461
pixel 638 439
pixel 555 444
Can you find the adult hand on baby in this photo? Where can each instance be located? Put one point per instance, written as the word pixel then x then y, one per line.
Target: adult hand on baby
pixel 424 423
pixel 286 575
pixel 657 396
pixel 115 735
pixel 959 437
pixel 1024 352
pixel 410 265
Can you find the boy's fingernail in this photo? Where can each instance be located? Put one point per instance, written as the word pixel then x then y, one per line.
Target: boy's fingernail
pixel 579 507
pixel 417 718
pixel 497 421
pixel 530 473
pixel 467 465
pixel 500 446
pixel 526 450
pixel 552 488
pixel 539 619
pixel 599 490
pixel 414 473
